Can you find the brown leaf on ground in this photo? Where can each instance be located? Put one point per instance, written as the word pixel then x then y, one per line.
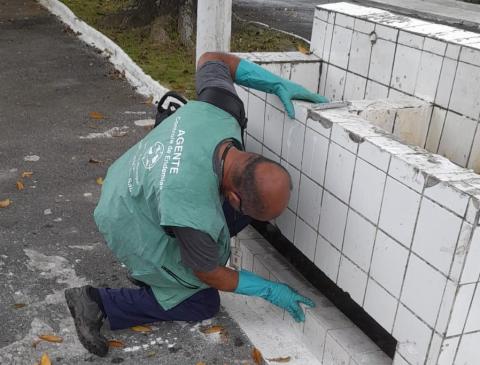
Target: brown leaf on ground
pixel 149 100
pixel 201 363
pixel 96 115
pixel 280 359
pixel 116 344
pixel 35 343
pixel 5 203
pixel 45 360
pixel 19 305
pixel 27 174
pixel 303 50
pixel 211 329
pixel 51 338
pixel 141 328
pixel 257 356
pixel 93 160
pixel 20 185
pixel 99 180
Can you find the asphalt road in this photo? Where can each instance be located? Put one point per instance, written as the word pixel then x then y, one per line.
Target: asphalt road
pixel 50 82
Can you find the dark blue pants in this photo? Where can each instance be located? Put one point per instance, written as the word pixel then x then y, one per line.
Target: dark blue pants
pixel 128 307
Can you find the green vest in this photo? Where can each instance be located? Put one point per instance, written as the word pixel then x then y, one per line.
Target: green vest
pixel 167 179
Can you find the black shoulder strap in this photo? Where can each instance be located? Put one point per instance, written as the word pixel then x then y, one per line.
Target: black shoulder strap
pixel 164 112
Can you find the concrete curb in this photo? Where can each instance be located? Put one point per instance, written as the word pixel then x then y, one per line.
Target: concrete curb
pixel 143 83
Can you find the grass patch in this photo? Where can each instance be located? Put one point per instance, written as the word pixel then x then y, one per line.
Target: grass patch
pixel 172 64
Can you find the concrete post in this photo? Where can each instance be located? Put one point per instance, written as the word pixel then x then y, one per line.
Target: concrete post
pixel 214 26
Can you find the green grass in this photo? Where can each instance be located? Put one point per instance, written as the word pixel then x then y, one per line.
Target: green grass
pixel 172 64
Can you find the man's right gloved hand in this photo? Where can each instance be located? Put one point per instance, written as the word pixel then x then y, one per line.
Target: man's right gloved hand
pixel 276 293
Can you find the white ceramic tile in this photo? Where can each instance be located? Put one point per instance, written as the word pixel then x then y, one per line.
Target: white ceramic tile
pixel 411 40
pixel 242 94
pixel 449 348
pixel 315 155
pixel 371 358
pixel 446 195
pixel 383 118
pixel 305 239
pixel 436 235
pixel 411 124
pixel 459 313
pixel 453 51
pixel 364 26
pixel 375 91
pixel 446 307
pixel 333 218
pixel 352 280
pixel 471 55
pixel 474 160
pixel 468 349
pixel 358 242
pixel 367 190
pixel 341 136
pixel 473 320
pixel 435 130
pixel 310 199
pixel 445 83
pixel 339 173
pixel 423 289
pixel 295 175
pixel 461 251
pixel 286 223
pixel 428 76
pixel 360 54
pixel 306 74
pixel 405 69
pixel 334 353
pixel 353 340
pixel 319 31
pixel 371 153
pixel 399 211
pixel 466 91
pixel 434 46
pixel 407 173
pixel 327 258
pixel 399 360
pixel 314 334
pixel 413 336
pixel 335 83
pixel 395 94
pixel 457 137
pixel 342 38
pixel 247 259
pixel 259 268
pixel 328 43
pixel 293 138
pixel 345 21
pixel 380 305
pixel 471 271
pixel 252 145
pixel 321 14
pixel 256 117
pixel 434 350
pixel 381 61
pixel 267 153
pixel 272 136
pixel 387 33
pixel 388 263
pixel 354 87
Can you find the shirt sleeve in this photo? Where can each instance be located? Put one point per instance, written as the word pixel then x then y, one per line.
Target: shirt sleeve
pixel 214 74
pixel 198 250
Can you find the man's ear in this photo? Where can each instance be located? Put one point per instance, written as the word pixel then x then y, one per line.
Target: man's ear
pixel 233 198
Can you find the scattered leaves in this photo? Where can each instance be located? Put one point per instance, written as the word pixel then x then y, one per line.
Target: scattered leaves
pixel 45 360
pixel 141 328
pixel 99 180
pixel 93 160
pixel 149 100
pixel 281 359
pixel 19 305
pixel 303 49
pixel 20 185
pixel 257 356
pixel 116 344
pixel 96 115
pixel 5 203
pixel 27 174
pixel 51 338
pixel 211 329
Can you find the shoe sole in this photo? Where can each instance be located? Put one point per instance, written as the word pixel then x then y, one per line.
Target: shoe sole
pixel 91 347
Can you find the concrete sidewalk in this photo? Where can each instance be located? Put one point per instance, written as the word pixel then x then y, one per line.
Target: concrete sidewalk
pixel 50 82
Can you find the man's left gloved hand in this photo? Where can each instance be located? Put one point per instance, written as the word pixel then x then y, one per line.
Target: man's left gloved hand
pixel 276 293
pixel 251 75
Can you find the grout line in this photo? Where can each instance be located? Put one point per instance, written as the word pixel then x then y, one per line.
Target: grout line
pixel 472 144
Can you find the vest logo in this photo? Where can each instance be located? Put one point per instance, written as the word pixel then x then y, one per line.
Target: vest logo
pixel 152 155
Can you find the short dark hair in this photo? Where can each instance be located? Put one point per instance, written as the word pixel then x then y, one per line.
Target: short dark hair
pixel 246 183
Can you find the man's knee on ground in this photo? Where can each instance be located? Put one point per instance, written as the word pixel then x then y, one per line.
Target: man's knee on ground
pixel 212 305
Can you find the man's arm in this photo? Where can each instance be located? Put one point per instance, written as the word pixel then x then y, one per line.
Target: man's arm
pixel 221 278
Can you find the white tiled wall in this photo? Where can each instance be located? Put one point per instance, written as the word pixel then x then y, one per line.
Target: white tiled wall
pixel 378 54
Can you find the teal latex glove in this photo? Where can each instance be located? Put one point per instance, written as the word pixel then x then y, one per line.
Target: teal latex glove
pixel 251 75
pixel 276 293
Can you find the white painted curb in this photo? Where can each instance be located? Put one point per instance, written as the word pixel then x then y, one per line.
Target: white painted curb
pixel 143 83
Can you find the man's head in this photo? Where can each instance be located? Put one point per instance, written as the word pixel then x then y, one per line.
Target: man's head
pixel 259 187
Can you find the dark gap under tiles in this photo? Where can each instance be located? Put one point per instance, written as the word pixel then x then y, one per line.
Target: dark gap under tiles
pixel 382 338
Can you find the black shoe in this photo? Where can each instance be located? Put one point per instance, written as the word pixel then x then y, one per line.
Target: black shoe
pixel 136 282
pixel 88 319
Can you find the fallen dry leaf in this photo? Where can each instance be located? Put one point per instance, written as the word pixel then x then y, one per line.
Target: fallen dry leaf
pixel 281 359
pixel 96 115
pixel 151 353
pixel 20 185
pixel 51 338
pixel 141 328
pixel 93 160
pixel 35 343
pixel 5 203
pixel 211 329
pixel 19 305
pixel 27 174
pixel 99 180
pixel 117 344
pixel 303 50
pixel 257 356
pixel 149 100
pixel 201 363
pixel 45 360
